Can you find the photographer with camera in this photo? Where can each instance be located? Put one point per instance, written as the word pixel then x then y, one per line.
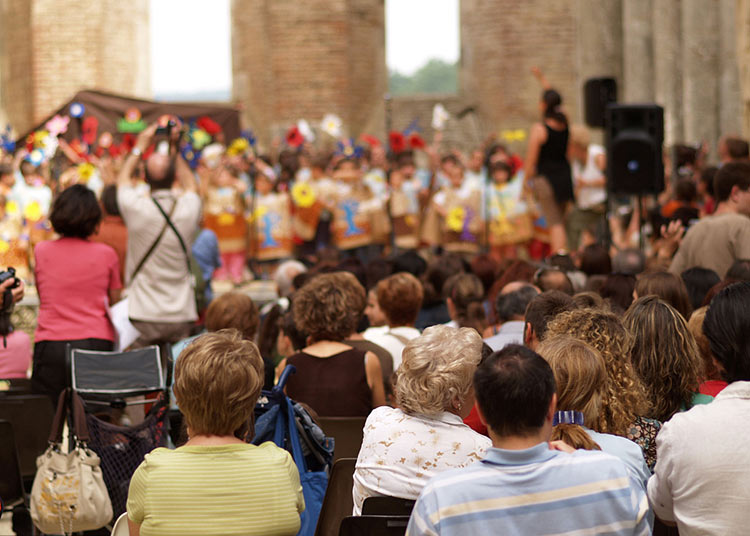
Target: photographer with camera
pixel 15 347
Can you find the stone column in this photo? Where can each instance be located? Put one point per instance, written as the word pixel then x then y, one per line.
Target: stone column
pixel 667 38
pixel 700 60
pixel 730 100
pixel 638 59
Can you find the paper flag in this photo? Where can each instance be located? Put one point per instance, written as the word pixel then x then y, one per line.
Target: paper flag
pixel 439 116
pixel 76 109
pixel 331 125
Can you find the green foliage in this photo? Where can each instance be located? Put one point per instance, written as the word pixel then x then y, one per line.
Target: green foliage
pixel 435 76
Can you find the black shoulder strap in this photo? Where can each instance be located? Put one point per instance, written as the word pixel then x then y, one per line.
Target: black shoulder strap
pixel 179 236
pixel 153 246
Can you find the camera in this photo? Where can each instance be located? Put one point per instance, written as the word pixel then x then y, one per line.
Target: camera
pixel 10 273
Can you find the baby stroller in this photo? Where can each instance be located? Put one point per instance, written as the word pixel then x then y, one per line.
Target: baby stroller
pixel 290 426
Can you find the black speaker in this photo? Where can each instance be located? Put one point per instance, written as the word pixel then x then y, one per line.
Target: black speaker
pixel 634 138
pixel 597 94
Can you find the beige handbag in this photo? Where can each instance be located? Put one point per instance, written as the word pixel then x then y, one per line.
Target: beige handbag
pixel 69 494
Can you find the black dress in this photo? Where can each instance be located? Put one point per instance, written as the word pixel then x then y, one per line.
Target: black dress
pixel 553 164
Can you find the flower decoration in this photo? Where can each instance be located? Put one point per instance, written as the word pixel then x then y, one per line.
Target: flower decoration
pixel 439 117
pixel 36 157
pixel 7 143
pixel 85 172
pixel 76 109
pixel 39 138
pixel 455 219
pixel 303 195
pixel 132 122
pixel 331 125
pixel 348 149
pixel 249 136
pixel 304 129
pixel 4 247
pixel 11 207
pixel 105 140
pixel 413 127
pixel 32 211
pixel 89 128
pixel 416 141
pixel 211 127
pixel 515 163
pixel 191 155
pixel 370 140
pixel 128 142
pixel 294 137
pixel 225 219
pixel 199 138
pixel 57 125
pixel 397 142
pixel 512 135
pixel 238 147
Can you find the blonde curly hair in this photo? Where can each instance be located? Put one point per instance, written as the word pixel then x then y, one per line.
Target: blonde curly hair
pixel 436 368
pixel 624 397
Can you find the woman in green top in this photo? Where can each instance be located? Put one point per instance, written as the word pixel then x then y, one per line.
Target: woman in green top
pixel 216 483
pixel 665 356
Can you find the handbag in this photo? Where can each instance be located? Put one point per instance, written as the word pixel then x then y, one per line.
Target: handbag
pixel 69 494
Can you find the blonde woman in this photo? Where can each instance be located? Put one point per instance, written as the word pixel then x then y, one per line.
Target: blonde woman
pixel 217 483
pixel 625 402
pixel 581 376
pixel 665 356
pixel 404 447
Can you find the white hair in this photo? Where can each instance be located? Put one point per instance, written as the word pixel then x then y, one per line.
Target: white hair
pixel 285 274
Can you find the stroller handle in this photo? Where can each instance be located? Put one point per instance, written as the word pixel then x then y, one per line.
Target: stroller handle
pixel 288 371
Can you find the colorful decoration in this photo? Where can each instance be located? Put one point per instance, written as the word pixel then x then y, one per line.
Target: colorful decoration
pixel 348 149
pixel 397 142
pixel 249 136
pixel 57 125
pixel 370 140
pixel 331 125
pixel 76 109
pixel 304 129
pixel 36 157
pixel 32 211
pixel 455 219
pixel 211 127
pixel 11 207
pixel 89 128
pixel 510 136
pixel 85 172
pixel 4 247
pixel 350 208
pixel 303 195
pixel 439 117
pixel 294 137
pixel 132 122
pixel 416 141
pixel 105 140
pixel 7 143
pixel 238 147
pixel 199 138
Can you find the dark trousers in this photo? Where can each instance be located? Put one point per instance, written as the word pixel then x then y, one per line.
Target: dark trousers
pixel 50 371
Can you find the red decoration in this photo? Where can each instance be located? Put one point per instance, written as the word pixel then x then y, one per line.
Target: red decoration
pixel 397 141
pixel 89 128
pixel 149 151
pixel 515 163
pixel 209 125
pixel 416 141
pixel 128 142
pixel 30 143
pixel 372 141
pixel 294 137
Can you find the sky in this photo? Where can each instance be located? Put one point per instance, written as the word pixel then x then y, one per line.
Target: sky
pixel 416 31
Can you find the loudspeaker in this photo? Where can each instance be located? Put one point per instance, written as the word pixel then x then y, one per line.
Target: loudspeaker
pixel 597 94
pixel 634 138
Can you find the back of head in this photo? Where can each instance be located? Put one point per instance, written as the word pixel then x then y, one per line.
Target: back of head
pixel 75 212
pixel 512 305
pixel 485 268
pixel 664 355
pixel 109 200
pixel 400 298
pixel 698 281
pixel 739 271
pixel 466 293
pixel 329 306
pixel 217 380
pixel 727 328
pixel 553 106
pixel 595 260
pixel 685 191
pixel 233 310
pixel 737 148
pixel 514 388
pixel 285 274
pixel 548 278
pixel 618 290
pixel 376 270
pixel 410 261
pixel 629 261
pixel 438 271
pixel 543 308
pixel 437 367
pixel 160 171
pixel 730 175
pixel 587 299
pixel 668 287
pixel 695 325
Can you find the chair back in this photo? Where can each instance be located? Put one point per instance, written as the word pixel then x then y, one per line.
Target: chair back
pixel 99 375
pixel 11 482
pixel 120 528
pixel 374 526
pixel 31 417
pixel 338 502
pixel 347 433
pixel 387 506
pixel 15 386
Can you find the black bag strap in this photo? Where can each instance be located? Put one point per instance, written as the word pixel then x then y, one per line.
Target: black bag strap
pixel 76 409
pixel 179 236
pixel 153 246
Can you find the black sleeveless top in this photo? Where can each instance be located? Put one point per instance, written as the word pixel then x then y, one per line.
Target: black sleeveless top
pixel 334 386
pixel 553 164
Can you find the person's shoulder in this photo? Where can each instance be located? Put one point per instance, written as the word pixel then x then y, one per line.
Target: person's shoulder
pixel 384 415
pixel 270 452
pixel 101 248
pixel 157 457
pixel 596 461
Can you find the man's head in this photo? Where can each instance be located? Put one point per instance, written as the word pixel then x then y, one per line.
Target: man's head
pixel 160 171
pixel 400 298
pixel 727 328
pixel 515 390
pixel 285 274
pixel 740 270
pixel 629 261
pixel 542 309
pixel 553 279
pixel 732 187
pixel 513 300
pixel 733 148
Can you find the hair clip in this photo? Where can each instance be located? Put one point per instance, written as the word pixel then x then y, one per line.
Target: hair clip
pixel 568 417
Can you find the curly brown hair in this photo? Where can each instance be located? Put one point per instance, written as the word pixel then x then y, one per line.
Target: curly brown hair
pixel 329 306
pixel 400 298
pixel 665 355
pixel 624 395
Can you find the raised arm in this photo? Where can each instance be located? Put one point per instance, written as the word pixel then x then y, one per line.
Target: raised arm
pixel 128 166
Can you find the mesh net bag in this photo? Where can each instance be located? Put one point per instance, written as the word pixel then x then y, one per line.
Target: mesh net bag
pixel 122 449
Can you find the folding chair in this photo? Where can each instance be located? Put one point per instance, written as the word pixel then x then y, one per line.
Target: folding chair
pixel 114 379
pixel 347 433
pixel 15 386
pixel 374 526
pixel 338 502
pixel 31 417
pixel 387 506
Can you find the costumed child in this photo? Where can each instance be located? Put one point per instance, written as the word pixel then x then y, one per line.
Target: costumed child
pixel 403 205
pixel 312 206
pixel 454 218
pixel 14 239
pixel 508 223
pixel 270 225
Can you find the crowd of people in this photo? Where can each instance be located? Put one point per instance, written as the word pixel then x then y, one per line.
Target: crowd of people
pixel 527 360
